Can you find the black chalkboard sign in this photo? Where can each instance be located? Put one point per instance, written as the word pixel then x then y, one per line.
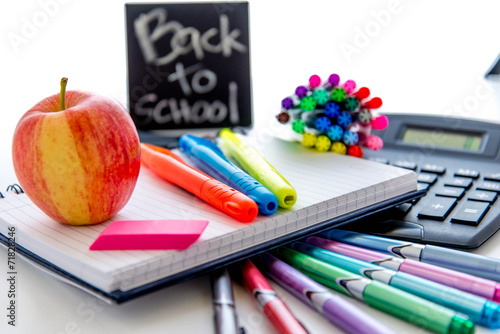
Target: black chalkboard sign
pixel 189 65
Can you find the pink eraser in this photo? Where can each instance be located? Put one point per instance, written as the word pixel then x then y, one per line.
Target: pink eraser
pixel 149 234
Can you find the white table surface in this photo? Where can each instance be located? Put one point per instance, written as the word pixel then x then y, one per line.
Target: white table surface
pixel 425 57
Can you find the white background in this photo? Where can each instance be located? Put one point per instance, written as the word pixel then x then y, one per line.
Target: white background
pixel 418 56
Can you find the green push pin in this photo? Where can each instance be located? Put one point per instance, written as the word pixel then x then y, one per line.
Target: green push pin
pixel 308 103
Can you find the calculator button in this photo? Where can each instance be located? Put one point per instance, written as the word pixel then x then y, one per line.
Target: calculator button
pixel 436 169
pixel 470 212
pixel 488 185
pixel 422 186
pixel 426 178
pixel 455 192
pixel 458 182
pixel 405 164
pixel 482 196
pixel 493 177
pixel 473 174
pixel 438 208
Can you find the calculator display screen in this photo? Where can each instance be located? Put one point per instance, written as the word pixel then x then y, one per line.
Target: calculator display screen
pixel 442 139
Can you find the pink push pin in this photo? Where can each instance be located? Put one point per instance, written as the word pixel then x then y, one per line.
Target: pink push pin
pixel 374 143
pixel 380 122
pixel 314 81
pixel 149 234
pixel 349 86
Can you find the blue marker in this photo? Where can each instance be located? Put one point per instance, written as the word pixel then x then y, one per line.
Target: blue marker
pixel 212 161
pixel 478 309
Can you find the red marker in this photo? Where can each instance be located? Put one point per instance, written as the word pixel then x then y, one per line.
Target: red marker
pixel 276 311
pixel 170 167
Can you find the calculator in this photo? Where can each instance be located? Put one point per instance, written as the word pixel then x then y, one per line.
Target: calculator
pixel 458 162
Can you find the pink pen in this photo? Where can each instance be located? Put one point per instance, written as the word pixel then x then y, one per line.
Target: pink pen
pixel 479 286
pixel 273 307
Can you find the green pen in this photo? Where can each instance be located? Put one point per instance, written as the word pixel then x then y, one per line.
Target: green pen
pixel 255 165
pixel 401 304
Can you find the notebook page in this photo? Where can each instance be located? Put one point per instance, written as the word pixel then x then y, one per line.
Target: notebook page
pixel 328 185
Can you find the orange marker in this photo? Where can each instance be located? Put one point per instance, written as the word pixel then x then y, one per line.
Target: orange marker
pixel 172 168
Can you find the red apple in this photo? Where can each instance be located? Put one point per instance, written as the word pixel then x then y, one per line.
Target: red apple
pixel 77 156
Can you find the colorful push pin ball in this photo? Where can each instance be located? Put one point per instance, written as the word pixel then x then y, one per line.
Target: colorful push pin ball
pixel 321 96
pixel 338 94
pixel 323 123
pixel 362 93
pixel 314 81
pixel 283 117
pixel 380 122
pixel 334 80
pixel 308 103
pixel 301 91
pixel 332 109
pixel 309 140
pixel 355 151
pixel 374 143
pixel 344 119
pixel 350 138
pixel 338 147
pixel 365 116
pixel 374 103
pixel 349 86
pixel 287 103
pixel 323 143
pixel 335 132
pixel 351 103
pixel 298 126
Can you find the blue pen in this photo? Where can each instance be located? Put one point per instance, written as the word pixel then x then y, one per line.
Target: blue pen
pixel 212 161
pixel 474 264
pixel 478 309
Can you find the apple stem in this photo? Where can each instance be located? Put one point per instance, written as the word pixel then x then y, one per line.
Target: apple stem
pixel 62 94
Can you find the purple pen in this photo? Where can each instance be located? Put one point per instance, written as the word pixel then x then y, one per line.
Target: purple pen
pixel 336 309
pixel 477 285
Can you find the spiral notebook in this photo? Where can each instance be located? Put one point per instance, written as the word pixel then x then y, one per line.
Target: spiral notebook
pixel 331 190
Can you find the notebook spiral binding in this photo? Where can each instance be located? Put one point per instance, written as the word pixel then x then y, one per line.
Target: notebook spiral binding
pixel 13 187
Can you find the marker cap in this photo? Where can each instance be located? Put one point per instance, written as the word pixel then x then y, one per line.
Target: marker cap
pixel 461 325
pixel 496 295
pixel 267 202
pixel 491 315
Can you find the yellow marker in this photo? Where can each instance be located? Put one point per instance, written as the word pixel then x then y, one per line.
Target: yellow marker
pixel 255 165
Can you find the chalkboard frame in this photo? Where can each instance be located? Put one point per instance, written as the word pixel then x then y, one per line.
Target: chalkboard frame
pixel 176 90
